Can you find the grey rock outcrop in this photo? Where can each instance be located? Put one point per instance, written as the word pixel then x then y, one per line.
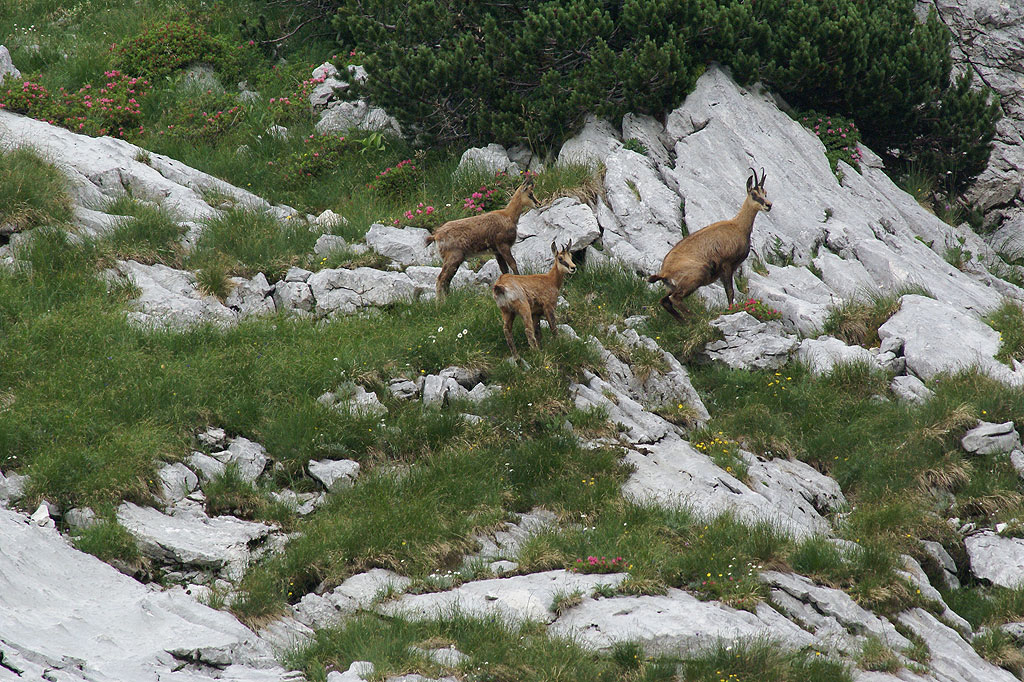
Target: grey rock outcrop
pixel 170 299
pixel 911 389
pixel 516 599
pixel 592 145
pixel 7 67
pixel 123 630
pixel 192 538
pixel 340 117
pixel 565 220
pixel 358 592
pixel 491 159
pixel 251 296
pixel 334 474
pixel 822 354
pixel 990 439
pixel 343 291
pixel 404 246
pixel 952 659
pixel 939 338
pixel 995 558
pixel 749 343
pixel 676 624
pixel 249 458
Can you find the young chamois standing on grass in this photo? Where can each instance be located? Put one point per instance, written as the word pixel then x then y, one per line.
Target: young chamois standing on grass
pixel 714 252
pixel 494 231
pixel 531 296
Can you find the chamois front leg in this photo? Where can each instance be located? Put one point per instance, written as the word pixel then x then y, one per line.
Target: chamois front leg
pixel 666 303
pixel 504 251
pixel 507 318
pixel 726 280
pixel 549 313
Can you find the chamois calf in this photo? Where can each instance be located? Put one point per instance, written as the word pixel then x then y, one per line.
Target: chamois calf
pixel 495 231
pixel 531 296
pixel 714 252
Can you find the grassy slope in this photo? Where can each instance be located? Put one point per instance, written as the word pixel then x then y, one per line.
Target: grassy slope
pixel 92 406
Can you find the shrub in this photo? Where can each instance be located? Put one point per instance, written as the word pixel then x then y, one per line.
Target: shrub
pixel 164 48
pixel 839 135
pixel 205 116
pixel 489 73
pixel 111 108
pixel 756 308
pixel 397 180
pixel 321 154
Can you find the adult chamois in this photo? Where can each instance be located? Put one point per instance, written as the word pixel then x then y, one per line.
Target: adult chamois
pixel 714 252
pixel 531 296
pixel 495 231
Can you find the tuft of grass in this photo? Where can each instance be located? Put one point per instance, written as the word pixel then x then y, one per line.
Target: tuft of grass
pixel 763 659
pixel 998 648
pixel 110 542
pixel 857 322
pixel 563 601
pixel 32 192
pixel 146 233
pixel 1008 320
pixel 875 655
pixel 253 242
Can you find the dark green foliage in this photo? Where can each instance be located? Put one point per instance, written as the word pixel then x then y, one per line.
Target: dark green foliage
pixel 32 192
pixel 163 48
pixel 529 70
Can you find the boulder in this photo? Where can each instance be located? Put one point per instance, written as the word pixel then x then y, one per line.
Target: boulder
pixel 359 115
pixel 649 132
pixel 592 145
pixel 248 457
pixel 911 389
pixel 491 159
pixel 7 67
pixel 294 297
pixel 358 592
pixel 344 291
pixel 952 658
pixel 170 299
pixel 123 630
pixel 565 220
pixel 991 439
pixel 673 624
pixel 516 600
pixel 803 300
pixel 176 482
pixel 251 296
pixel 404 246
pixel 822 354
pixel 995 558
pixel 335 475
pixel 937 338
pixel 749 343
pixel 194 540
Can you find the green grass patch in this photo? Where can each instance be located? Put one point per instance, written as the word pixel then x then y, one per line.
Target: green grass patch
pixel 1008 320
pixel 253 242
pixel 856 322
pixel 108 541
pixel 32 192
pixel 763 660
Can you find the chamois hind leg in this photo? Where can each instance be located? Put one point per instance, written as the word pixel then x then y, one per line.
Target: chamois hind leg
pixel 505 251
pixel 452 261
pixel 536 330
pixel 530 326
pixel 501 262
pixel 507 318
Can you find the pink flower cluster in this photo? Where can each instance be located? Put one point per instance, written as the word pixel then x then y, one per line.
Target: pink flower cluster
pixel 593 564
pixel 479 199
pixel 420 210
pixel 400 165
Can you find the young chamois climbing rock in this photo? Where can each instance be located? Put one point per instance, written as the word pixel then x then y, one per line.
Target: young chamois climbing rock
pixel 531 296
pixel 495 231
pixel 714 252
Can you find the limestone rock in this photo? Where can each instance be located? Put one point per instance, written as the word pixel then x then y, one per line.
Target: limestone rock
pixel 565 220
pixel 294 297
pixel 252 296
pixel 995 558
pixel 492 159
pixel 939 338
pixel 674 624
pixel 7 67
pixel 517 599
pixel 592 145
pixel 822 354
pixel 357 592
pixel 359 115
pixel 649 132
pixel 911 389
pixel 248 457
pixel 176 482
pixel 123 630
pixel 402 245
pixel 343 291
pixel 952 658
pixel 749 343
pixel 192 540
pixel 335 475
pixel 990 439
pixel 169 298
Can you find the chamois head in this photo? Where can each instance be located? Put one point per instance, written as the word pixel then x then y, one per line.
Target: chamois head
pixel 563 258
pixel 526 191
pixel 755 190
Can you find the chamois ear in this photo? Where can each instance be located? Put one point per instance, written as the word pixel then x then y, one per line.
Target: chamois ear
pixel 750 182
pixel 554 251
pixel 528 182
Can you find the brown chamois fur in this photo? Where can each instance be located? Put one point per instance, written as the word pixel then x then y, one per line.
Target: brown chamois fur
pixel 494 231
pixel 714 252
pixel 531 296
